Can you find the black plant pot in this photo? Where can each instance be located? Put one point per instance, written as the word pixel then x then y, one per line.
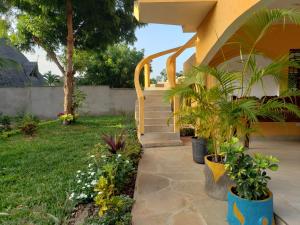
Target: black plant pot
pixel 199 146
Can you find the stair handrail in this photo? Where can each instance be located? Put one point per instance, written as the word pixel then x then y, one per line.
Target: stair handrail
pixel 171 73
pixel 138 88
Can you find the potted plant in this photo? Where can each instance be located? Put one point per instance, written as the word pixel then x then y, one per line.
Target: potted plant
pixel 66 119
pixel 250 202
pixel 234 117
pixel 195 110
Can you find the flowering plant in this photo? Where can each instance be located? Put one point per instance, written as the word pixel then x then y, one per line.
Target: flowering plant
pixel 85 183
pixel 112 170
pixel 67 118
pixel 60 114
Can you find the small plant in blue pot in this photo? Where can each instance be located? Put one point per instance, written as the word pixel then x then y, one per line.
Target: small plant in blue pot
pixel 250 202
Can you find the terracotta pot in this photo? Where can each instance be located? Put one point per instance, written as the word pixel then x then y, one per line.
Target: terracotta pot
pixel 217 181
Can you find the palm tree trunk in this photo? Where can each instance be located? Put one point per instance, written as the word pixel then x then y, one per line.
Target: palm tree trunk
pixel 69 75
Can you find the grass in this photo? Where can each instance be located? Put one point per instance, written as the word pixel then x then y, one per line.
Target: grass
pixel 36 173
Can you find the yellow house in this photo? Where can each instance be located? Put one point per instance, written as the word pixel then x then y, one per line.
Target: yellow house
pixel 214 23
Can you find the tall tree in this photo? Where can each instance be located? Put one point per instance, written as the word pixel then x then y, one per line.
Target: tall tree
pixel 51 79
pixel 114 67
pixel 61 26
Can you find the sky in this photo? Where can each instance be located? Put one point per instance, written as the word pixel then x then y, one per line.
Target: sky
pixel 152 38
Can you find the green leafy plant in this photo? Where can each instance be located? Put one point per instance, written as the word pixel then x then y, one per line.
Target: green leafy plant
pixel 248 172
pixel 66 118
pixel 51 79
pixel 115 142
pixel 119 211
pixel 85 182
pixel 78 100
pixel 213 111
pixel 5 123
pixel 116 173
pixel 29 124
pixel 197 103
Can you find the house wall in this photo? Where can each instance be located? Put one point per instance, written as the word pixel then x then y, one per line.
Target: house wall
pixel 220 24
pixel 287 37
pixel 269 86
pixel 46 102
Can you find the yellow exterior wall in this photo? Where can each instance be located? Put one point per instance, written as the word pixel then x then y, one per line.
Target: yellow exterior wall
pixel 220 24
pixel 287 37
pixel 277 129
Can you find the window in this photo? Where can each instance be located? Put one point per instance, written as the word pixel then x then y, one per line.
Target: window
pixel 294 73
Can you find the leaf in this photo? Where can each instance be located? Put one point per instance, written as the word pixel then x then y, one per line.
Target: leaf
pixel 274 167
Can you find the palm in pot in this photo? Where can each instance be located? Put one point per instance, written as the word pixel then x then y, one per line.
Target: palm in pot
pixel 215 111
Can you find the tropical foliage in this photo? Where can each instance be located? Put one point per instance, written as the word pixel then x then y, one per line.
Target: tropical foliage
pixel 51 79
pixel 115 142
pixel 113 67
pixel 107 181
pixel 248 172
pixel 62 26
pixel 215 111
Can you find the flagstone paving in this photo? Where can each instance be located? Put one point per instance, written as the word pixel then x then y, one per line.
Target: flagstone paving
pixel 170 187
pixel 170 190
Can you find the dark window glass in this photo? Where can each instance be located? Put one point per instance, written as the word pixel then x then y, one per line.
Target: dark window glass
pixel 294 73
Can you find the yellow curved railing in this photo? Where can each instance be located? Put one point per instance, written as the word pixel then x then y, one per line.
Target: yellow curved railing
pixel 171 73
pixel 140 96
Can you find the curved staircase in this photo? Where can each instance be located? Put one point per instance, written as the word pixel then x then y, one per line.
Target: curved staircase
pixel 158 121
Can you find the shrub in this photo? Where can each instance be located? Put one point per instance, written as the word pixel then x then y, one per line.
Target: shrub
pixel 5 123
pixel 116 169
pixel 85 183
pixel 248 173
pixel 114 142
pixel 78 100
pixel 29 124
pixel 66 118
pixel 118 213
pixel 116 173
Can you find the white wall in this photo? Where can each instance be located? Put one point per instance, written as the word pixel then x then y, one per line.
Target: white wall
pixel 46 102
pixel 270 86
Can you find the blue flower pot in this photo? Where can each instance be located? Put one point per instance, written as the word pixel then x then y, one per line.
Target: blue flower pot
pixel 247 212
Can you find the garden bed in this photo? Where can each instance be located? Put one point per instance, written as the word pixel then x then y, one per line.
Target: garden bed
pixel 38 174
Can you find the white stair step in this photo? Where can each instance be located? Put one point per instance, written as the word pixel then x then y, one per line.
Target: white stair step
pixel 158 114
pixel 159 128
pixel 154 93
pixel 157 108
pixel 160 135
pixel 156 99
pixel 155 144
pixel 158 121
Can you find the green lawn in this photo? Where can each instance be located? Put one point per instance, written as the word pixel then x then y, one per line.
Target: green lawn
pixel 36 173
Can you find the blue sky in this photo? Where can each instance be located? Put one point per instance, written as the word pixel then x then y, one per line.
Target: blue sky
pixel 152 38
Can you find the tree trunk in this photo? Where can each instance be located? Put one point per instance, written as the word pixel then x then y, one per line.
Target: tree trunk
pixel 69 75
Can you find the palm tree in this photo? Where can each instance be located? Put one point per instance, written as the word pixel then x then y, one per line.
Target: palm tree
pixel 51 79
pixel 214 110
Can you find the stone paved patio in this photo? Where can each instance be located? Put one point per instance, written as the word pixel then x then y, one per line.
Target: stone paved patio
pixel 170 190
pixel 170 187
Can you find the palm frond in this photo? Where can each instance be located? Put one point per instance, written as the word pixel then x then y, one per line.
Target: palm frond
pixel 257 25
pixel 275 69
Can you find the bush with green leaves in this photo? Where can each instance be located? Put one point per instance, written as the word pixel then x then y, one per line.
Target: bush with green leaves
pixel 78 100
pixel 66 118
pixel 119 211
pixel 5 123
pixel 85 182
pixel 28 124
pixel 88 184
pixel 248 172
pixel 116 174
pixel 114 142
